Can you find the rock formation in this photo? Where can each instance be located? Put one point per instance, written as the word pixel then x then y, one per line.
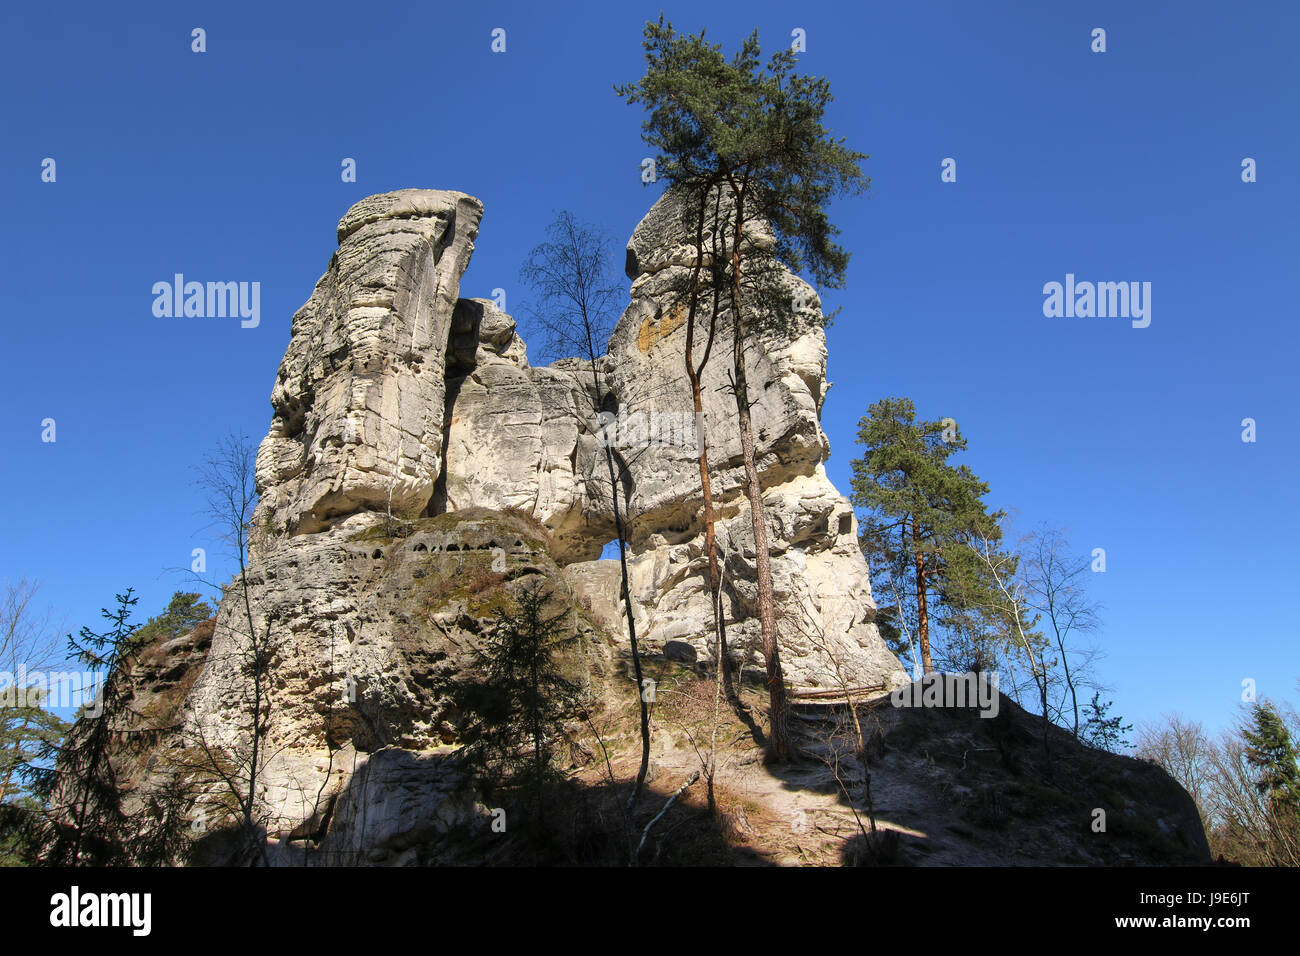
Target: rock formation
pixel 398 401
pixel 418 468
pixel 395 396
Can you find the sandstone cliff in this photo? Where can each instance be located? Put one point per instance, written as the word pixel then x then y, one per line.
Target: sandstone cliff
pixel 395 397
pixel 418 470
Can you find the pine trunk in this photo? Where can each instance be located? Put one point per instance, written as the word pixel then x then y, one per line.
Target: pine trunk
pixel 710 546
pixel 706 488
pixel 777 705
pixel 922 607
pixel 780 747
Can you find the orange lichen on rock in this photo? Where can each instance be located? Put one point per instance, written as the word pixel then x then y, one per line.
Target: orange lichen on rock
pixel 652 331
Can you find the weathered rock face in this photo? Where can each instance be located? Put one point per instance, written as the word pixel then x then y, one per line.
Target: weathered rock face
pixel 400 406
pixel 370 621
pixel 819 575
pixel 522 437
pixel 359 398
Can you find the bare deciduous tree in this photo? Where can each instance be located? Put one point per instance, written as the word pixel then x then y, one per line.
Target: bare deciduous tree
pixel 228 479
pixel 1010 606
pixel 1054 580
pixel 845 749
pixel 1246 826
pixel 1185 751
pixel 570 272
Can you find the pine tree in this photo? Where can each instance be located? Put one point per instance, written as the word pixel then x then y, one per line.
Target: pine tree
pixel 754 134
pixel 27 731
pixel 89 825
pixel 87 819
pixel 184 611
pixel 1271 751
pixel 27 645
pixel 519 699
pixel 26 726
pixel 1102 731
pixel 922 514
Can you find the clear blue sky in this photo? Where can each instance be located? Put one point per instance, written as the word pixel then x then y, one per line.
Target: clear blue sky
pixel 1118 166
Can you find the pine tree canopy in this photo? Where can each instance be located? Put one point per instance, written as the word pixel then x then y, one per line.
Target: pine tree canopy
pixel 757 129
pixel 904 479
pixel 1272 753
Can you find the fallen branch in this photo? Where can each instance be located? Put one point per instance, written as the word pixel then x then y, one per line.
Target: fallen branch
pixel 797 693
pixel 695 775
